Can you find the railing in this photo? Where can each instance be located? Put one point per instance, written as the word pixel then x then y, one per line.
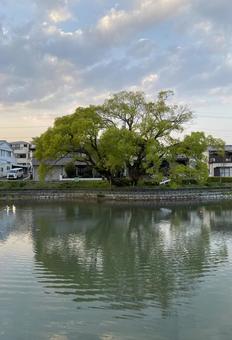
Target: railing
pixel 213 160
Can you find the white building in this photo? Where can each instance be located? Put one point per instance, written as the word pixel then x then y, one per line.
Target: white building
pixel 220 165
pixel 22 153
pixel 7 158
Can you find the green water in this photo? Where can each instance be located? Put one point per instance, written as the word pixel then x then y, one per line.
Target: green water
pixel 110 271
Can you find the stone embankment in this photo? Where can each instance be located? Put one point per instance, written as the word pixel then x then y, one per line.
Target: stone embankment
pixel 119 194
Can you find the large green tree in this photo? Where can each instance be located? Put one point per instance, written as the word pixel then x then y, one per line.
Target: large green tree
pixel 152 127
pixel 127 134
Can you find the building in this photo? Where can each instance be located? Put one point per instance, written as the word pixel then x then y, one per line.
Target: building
pixel 7 158
pixel 57 169
pixel 22 154
pixel 220 165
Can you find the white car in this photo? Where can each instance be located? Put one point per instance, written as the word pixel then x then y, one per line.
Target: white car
pixel 15 173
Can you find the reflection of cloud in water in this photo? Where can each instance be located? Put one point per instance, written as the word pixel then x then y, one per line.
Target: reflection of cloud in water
pixel 13 222
pixel 58 337
pixel 7 222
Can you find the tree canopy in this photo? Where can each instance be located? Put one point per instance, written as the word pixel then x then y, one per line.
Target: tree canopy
pixel 127 135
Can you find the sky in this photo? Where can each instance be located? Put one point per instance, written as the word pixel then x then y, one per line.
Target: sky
pixel 56 55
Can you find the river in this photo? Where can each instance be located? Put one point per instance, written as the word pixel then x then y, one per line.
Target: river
pixel 114 271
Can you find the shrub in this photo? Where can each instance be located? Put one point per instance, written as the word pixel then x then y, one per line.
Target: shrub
pixel 219 180
pixel 121 182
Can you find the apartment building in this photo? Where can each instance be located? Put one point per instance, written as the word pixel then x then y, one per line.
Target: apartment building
pixel 22 153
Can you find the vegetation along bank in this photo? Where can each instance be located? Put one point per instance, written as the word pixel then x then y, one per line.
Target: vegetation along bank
pixel 28 190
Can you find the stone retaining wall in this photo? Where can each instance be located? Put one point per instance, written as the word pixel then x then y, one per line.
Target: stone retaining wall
pixel 119 195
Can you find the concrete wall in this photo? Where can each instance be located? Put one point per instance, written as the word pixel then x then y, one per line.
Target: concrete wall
pixel 146 195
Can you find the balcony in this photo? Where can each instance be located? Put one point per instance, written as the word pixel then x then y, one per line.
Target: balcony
pixel 218 159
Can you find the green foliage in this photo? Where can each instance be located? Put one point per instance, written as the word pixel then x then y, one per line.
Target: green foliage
pixel 122 182
pixel 129 134
pixel 195 145
pixel 185 174
pixel 152 126
pixel 117 146
pixel 219 180
pixel 61 185
pixel 194 149
pixel 43 171
pixel 5 185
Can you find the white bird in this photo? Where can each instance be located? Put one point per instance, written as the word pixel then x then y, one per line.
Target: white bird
pixel 7 209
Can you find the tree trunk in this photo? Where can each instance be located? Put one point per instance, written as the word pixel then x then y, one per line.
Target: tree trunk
pixel 135 173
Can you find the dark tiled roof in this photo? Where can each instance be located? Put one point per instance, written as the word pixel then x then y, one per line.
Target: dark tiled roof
pixel 60 162
pixel 19 142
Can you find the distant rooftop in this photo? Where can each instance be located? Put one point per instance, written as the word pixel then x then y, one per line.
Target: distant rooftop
pixel 59 162
pixel 4 142
pixel 227 148
pixel 19 142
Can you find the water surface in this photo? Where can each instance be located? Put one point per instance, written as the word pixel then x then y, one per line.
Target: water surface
pixel 108 271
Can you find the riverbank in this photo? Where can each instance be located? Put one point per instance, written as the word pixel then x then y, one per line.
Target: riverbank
pixel 136 194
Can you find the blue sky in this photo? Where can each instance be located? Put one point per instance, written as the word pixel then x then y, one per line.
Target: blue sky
pixel 56 55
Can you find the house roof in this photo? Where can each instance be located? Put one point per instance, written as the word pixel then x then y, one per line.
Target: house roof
pixel 19 142
pixel 227 148
pixel 60 162
pixel 4 145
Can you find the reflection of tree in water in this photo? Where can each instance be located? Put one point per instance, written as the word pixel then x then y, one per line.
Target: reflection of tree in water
pixel 220 218
pixel 126 256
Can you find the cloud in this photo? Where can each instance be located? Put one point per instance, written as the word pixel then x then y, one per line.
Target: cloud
pixel 59 15
pixel 55 11
pixel 54 58
pixel 141 48
pixel 118 24
pixel 218 11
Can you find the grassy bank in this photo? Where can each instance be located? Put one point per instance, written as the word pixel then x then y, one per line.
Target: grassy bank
pixel 17 185
pixel 104 185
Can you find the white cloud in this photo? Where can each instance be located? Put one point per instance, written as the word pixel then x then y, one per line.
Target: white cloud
pixel 204 26
pixel 53 63
pixel 119 23
pixel 59 15
pixel 149 81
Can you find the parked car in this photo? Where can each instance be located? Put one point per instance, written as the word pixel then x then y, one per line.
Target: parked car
pixel 15 173
pixel 164 181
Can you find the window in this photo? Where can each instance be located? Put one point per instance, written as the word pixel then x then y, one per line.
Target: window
pixel 16 146
pixel 225 172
